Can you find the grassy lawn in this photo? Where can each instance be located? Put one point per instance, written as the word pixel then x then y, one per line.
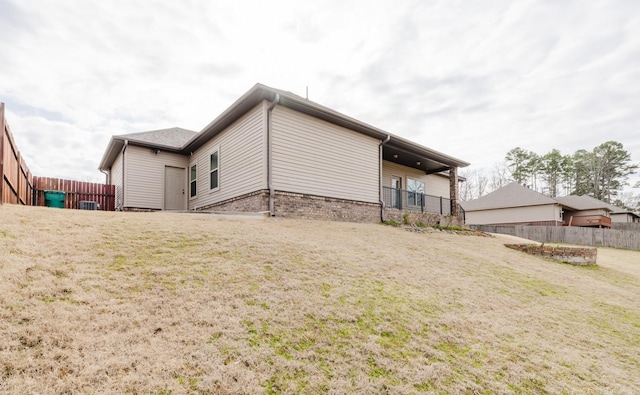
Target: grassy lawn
pixel 168 303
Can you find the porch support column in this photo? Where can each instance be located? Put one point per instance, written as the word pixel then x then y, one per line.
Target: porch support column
pixel 453 192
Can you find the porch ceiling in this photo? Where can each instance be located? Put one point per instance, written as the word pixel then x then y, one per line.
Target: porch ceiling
pixel 403 157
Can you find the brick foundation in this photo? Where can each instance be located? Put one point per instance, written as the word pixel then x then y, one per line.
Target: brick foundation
pixel 253 202
pixel 579 256
pixel 140 209
pixel 429 219
pixel 296 205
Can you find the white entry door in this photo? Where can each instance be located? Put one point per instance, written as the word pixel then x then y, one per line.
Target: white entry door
pixel 174 185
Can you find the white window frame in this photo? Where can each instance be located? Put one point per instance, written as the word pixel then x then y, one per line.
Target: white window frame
pixel 215 150
pixel 413 192
pixel 193 168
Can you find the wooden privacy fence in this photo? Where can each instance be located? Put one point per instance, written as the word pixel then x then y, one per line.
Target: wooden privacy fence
pixel 634 226
pixel 16 180
pixel 604 237
pixel 19 186
pixel 76 192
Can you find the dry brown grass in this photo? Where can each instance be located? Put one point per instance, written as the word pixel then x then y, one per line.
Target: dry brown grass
pixel 94 302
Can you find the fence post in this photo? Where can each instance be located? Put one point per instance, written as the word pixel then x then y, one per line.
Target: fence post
pixel 19 175
pixel 422 202
pixel 1 153
pixel 441 213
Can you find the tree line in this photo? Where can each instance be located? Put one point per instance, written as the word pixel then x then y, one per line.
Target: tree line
pixel 601 173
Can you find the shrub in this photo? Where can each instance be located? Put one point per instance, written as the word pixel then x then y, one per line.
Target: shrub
pixel 453 228
pixel 405 218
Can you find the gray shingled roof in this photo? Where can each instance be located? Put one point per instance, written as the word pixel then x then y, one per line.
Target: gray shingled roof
pixel 172 137
pixel 515 195
pixel 583 202
pixel 510 195
pixel 620 210
pixel 588 200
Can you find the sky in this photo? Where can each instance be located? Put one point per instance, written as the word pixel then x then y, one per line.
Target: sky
pixel 472 78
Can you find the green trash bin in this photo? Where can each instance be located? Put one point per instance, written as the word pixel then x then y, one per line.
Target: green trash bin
pixel 54 198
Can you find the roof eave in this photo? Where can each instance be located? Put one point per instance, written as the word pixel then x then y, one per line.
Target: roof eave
pixel 514 206
pixel 111 153
pixel 261 92
pixel 148 144
pixel 247 101
pixel 117 143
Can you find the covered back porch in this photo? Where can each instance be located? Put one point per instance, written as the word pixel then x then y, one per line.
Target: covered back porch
pixel 419 180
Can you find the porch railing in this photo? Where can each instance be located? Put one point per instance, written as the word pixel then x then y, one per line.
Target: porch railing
pixel 600 221
pixel 415 201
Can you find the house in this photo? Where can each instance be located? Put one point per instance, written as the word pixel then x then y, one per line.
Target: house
pixel 622 215
pixel 275 152
pixel 515 204
pixel 585 211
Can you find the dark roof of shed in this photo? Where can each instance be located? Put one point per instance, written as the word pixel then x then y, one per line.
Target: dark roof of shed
pixel 620 210
pixel 510 195
pixel 582 202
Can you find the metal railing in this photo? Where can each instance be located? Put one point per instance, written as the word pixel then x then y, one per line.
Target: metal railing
pixel 415 201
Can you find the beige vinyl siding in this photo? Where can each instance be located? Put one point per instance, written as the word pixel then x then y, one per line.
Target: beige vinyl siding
pixel 144 176
pixel 241 160
pixel 621 217
pixel 116 179
pixel 548 212
pixel 434 185
pixel 588 212
pixel 437 185
pixel 315 157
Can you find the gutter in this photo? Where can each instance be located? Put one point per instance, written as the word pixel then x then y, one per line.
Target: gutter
pixel 382 142
pixel 272 211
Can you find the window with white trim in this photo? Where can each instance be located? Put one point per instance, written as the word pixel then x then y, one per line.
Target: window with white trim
pixel 214 169
pixel 415 192
pixel 192 181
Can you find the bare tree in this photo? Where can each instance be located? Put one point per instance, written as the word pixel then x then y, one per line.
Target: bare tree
pixel 628 200
pixel 499 176
pixel 467 187
pixel 475 186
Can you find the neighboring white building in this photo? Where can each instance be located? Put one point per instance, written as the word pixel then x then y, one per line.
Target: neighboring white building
pixel 515 204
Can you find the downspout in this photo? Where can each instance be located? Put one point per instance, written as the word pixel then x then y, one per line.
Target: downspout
pixel 272 210
pixel 107 181
pixel 106 176
pixel 383 142
pixel 124 148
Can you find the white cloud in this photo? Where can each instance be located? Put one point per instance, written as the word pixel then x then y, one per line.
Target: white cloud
pixel 473 79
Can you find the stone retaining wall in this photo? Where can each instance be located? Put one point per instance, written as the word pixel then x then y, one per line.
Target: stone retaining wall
pixel 429 219
pixel 580 256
